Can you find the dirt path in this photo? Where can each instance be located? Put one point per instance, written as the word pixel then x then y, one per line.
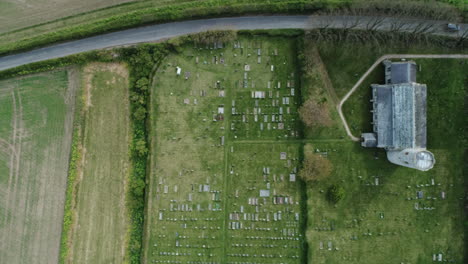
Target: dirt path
pixel 377 63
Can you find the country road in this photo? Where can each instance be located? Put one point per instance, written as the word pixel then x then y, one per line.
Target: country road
pixel 169 30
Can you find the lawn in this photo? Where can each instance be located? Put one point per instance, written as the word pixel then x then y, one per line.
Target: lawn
pixel 203 126
pixel 100 229
pixel 36 120
pixel 380 220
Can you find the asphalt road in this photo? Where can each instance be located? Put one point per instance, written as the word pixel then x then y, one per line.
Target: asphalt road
pixel 164 31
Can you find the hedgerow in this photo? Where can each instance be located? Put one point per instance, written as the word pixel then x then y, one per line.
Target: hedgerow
pixel 141 61
pixel 75 156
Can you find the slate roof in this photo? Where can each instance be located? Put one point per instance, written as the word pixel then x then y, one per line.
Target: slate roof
pixel 400 72
pixel 400 115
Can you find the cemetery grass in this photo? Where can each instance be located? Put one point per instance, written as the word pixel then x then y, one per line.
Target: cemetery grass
pixel 36 121
pixel 403 234
pixel 187 153
pixel 354 226
pixel 101 222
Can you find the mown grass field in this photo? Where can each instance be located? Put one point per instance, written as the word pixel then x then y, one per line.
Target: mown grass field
pixel 196 125
pixel 36 119
pixel 100 229
pixel 379 223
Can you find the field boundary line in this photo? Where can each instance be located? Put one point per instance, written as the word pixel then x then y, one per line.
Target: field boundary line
pixel 377 63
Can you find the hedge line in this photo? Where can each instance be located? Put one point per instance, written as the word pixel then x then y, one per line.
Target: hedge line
pixel 70 191
pixel 188 10
pixel 141 61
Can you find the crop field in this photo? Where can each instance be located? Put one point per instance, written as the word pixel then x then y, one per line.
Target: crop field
pixel 19 14
pixel 101 221
pixel 381 219
pixel 36 120
pixel 204 203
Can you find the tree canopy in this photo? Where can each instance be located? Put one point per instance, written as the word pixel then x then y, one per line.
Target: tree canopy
pixel 315 114
pixel 315 167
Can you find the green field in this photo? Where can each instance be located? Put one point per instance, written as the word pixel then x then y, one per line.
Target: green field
pixel 202 129
pixel 36 120
pixel 99 232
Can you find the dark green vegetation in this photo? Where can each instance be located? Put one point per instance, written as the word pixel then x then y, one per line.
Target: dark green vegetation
pixel 335 193
pixel 142 61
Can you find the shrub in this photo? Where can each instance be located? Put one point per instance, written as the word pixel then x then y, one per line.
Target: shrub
pixel 335 193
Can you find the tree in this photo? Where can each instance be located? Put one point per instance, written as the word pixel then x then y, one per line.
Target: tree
pixel 142 84
pixel 315 167
pixel 315 114
pixel 140 113
pixel 140 147
pixel 335 193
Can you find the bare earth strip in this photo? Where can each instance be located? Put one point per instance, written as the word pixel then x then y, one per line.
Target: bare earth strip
pixel 33 172
pixel 101 225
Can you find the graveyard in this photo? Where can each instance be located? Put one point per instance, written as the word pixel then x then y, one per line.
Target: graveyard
pixel 225 133
pixel 227 143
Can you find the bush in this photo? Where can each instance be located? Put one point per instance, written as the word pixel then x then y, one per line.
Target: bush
pixel 335 193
